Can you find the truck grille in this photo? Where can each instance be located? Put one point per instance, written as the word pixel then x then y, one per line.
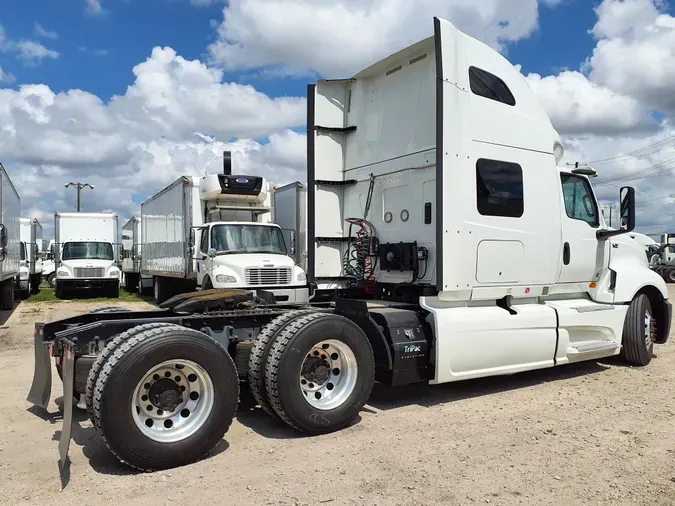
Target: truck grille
pixel 89 272
pixel 268 276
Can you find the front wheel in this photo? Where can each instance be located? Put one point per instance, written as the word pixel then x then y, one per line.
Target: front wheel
pixel 51 280
pixel 165 397
pixel 639 332
pixel 319 373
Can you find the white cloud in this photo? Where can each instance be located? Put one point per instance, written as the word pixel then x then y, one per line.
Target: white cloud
pixel 6 77
pixel 30 52
pixel 576 104
pixel 40 31
pixel 94 8
pixel 205 3
pixel 138 142
pixel 341 37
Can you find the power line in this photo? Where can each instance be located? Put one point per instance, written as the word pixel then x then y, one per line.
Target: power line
pixel 638 153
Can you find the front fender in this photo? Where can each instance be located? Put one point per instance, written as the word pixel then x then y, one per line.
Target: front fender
pixel 633 275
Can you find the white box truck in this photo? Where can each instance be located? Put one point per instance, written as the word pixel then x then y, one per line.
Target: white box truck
pixel 445 243
pixel 134 281
pixel 290 213
pixel 30 271
pixel 10 244
pixel 48 268
pixel 215 232
pixel 87 253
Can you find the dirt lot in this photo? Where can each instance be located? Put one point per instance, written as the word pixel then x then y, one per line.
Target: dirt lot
pixel 596 433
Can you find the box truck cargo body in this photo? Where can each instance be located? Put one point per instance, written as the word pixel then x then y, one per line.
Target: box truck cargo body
pixel 131 257
pixel 30 271
pixel 290 213
pixel 10 246
pixel 87 252
pixel 215 232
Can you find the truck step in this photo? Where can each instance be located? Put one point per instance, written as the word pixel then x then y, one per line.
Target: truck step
pixel 591 347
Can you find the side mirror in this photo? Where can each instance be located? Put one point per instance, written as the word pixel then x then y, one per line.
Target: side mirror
pixel 212 252
pixel 293 243
pixel 192 237
pixel 3 236
pixel 626 214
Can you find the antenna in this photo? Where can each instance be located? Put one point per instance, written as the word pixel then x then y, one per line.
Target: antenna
pixel 227 163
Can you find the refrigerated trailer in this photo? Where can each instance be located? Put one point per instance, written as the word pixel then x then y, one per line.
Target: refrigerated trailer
pixel 134 281
pixel 30 271
pixel 445 243
pixel 215 231
pixel 87 253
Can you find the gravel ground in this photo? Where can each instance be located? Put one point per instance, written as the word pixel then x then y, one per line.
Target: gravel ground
pixel 588 434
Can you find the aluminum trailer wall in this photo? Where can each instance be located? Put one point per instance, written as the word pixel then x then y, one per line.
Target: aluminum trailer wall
pixel 290 213
pixel 166 220
pixel 10 213
pixel 131 246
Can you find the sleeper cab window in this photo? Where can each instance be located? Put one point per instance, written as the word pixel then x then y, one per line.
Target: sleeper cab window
pixel 490 86
pixel 499 187
pixel 580 203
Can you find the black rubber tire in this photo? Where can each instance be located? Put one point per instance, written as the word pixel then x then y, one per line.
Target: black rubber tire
pixel 35 284
pixel 59 292
pixel 207 285
pixel 161 290
pixel 284 362
pixel 258 356
pixel 7 295
pixel 635 350
pixel 670 276
pixel 124 369
pixel 131 282
pixel 109 349
pixel 51 280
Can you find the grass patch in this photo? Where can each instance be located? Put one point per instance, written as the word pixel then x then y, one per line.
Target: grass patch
pixel 48 295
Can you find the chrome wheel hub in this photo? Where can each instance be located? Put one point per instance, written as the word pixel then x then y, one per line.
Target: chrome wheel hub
pixel 650 330
pixel 172 401
pixel 328 374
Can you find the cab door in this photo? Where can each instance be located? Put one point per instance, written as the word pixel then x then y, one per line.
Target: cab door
pixel 203 260
pixel 581 258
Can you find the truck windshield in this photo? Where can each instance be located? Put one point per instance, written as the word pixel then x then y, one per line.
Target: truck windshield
pixel 23 251
pixel 87 251
pixel 229 239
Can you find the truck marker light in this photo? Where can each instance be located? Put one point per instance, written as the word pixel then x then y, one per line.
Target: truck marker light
pixel 593 285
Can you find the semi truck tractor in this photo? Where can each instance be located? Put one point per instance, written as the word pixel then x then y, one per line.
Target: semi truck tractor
pixel 134 281
pixel 10 241
pixel 213 232
pixel 30 271
pixel 444 243
pixel 290 213
pixel 86 253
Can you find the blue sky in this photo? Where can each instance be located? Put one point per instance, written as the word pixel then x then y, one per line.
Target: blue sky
pixel 97 53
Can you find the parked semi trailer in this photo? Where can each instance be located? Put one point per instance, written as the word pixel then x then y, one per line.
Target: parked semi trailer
pixel 134 281
pixel 215 231
pixel 10 241
pixel 30 270
pixel 87 253
pixel 444 245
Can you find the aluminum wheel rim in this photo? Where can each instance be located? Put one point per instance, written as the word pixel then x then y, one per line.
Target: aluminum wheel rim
pixel 649 330
pixel 328 374
pixel 169 413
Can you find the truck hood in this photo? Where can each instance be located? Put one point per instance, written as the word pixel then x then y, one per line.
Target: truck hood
pixel 244 260
pixel 87 263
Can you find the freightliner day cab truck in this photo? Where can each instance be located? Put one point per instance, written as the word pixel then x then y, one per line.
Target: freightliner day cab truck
pixel 215 232
pixel 134 281
pixel 86 253
pixel 445 243
pixel 31 256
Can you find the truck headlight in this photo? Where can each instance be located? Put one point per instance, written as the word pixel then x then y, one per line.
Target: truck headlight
pixel 114 274
pixel 23 275
pixel 301 276
pixel 224 278
pixel 63 274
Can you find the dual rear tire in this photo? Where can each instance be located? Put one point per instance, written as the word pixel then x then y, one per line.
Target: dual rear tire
pixel 313 370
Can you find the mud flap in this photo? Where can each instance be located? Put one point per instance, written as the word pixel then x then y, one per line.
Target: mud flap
pixel 41 389
pixel 68 373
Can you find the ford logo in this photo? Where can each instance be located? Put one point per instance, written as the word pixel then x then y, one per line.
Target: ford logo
pixel 242 180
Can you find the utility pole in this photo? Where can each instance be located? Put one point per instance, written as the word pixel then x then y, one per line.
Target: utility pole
pixel 80 187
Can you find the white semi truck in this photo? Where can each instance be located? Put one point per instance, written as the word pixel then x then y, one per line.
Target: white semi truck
pixel 445 243
pixel 86 253
pixel 10 242
pixel 30 271
pixel 134 281
pixel 215 232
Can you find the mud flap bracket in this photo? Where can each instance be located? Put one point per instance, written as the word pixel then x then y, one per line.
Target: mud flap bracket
pixel 41 388
pixel 68 369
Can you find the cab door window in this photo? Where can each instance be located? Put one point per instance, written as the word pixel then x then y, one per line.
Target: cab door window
pixel 204 246
pixel 579 200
